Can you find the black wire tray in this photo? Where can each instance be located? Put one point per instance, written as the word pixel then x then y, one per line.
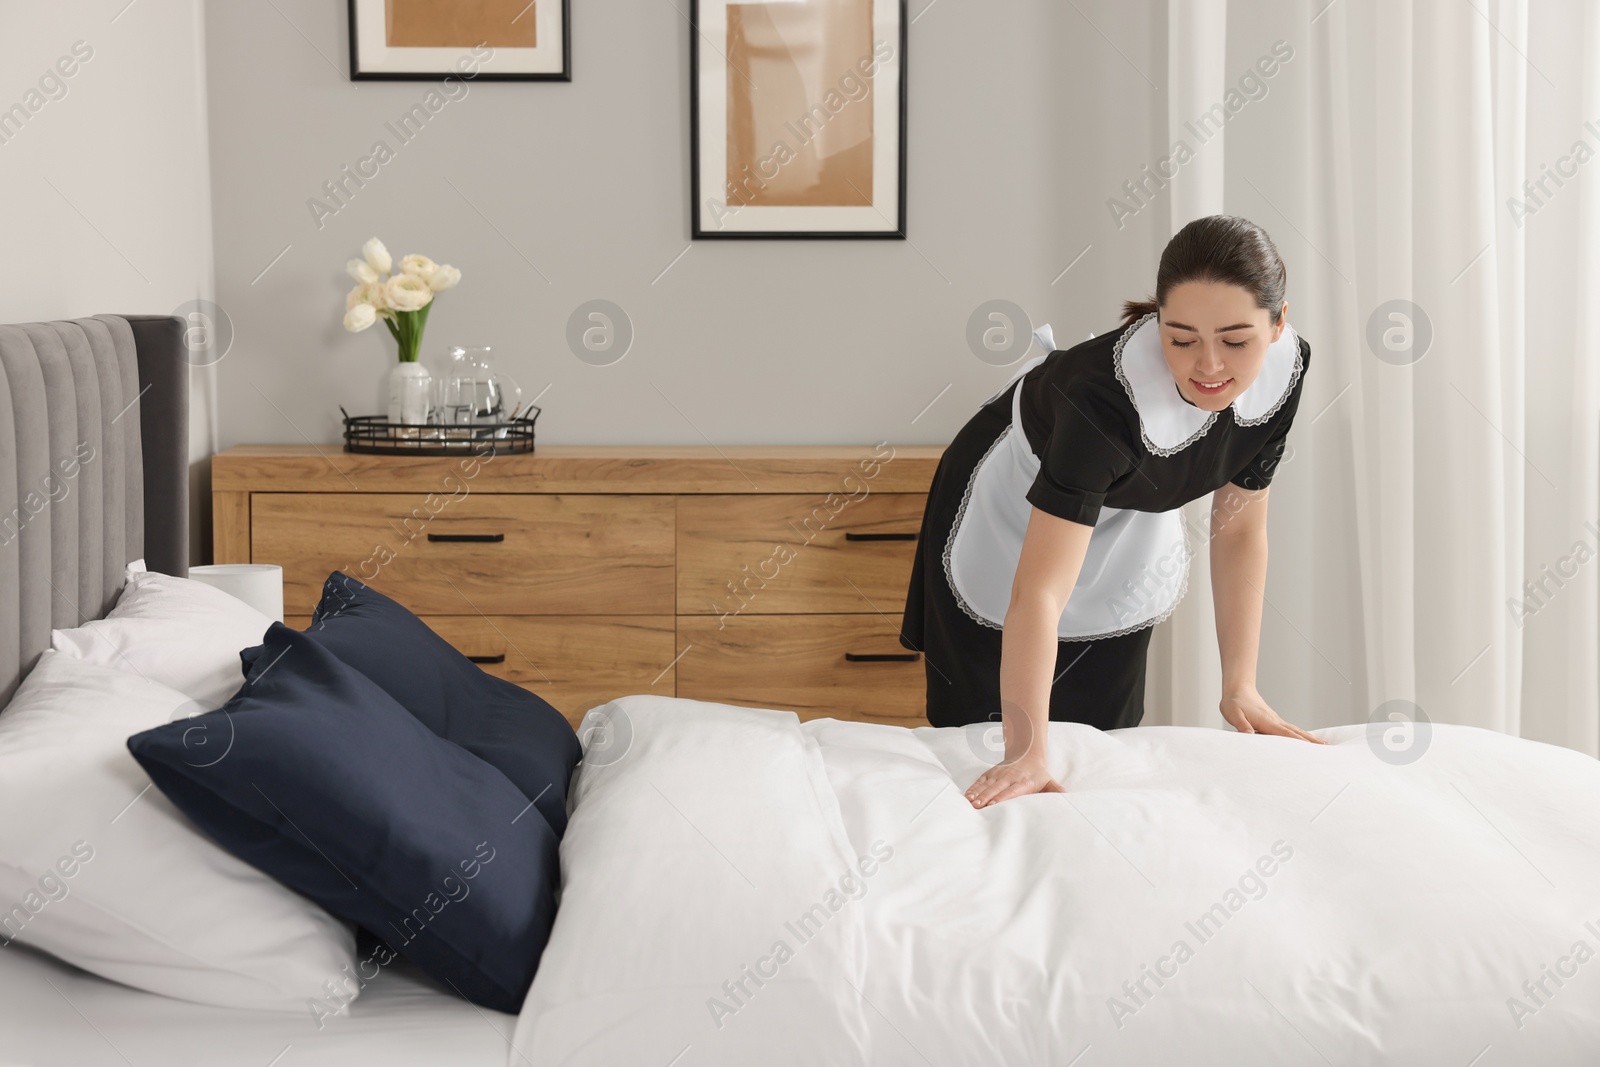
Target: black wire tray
pixel 375 435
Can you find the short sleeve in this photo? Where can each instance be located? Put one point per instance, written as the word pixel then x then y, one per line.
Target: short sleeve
pixel 1257 474
pixel 1086 454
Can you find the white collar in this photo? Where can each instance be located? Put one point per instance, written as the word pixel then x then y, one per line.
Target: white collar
pixel 1168 422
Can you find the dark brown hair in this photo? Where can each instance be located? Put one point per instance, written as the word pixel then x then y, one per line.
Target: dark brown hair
pixel 1218 248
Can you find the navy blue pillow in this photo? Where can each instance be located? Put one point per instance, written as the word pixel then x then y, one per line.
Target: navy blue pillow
pixel 316 776
pixel 496 720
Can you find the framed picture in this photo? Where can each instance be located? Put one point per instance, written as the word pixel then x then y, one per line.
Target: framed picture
pixel 487 40
pixel 797 118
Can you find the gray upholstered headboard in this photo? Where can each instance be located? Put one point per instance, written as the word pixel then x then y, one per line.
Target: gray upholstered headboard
pixel 94 417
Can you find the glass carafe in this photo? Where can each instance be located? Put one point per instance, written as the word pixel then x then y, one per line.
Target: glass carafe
pixel 472 392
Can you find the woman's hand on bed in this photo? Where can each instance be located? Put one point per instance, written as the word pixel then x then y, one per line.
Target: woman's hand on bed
pixel 1013 778
pixel 1246 712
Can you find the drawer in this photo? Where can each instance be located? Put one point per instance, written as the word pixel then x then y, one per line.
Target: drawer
pixel 574 662
pixel 779 555
pixel 489 553
pixel 798 663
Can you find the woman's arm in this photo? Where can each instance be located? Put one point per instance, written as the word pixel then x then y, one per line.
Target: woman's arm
pixel 1052 554
pixel 1238 576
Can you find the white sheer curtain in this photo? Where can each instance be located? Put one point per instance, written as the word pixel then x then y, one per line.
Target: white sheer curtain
pixel 1423 495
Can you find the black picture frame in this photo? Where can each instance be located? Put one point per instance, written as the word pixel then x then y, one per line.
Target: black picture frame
pixel 698 232
pixel 564 75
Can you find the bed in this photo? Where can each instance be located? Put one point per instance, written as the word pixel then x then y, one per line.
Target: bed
pixel 739 887
pixel 1196 896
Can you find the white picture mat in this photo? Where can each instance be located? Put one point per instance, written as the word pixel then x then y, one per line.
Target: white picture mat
pixel 882 216
pixel 376 57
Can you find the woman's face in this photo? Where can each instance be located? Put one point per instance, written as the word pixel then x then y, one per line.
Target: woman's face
pixel 1215 339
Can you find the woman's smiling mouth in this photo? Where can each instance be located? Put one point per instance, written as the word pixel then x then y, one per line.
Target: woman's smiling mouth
pixel 1210 388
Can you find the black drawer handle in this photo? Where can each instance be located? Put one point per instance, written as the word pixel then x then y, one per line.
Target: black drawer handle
pixel 488 539
pixel 880 537
pixel 501 658
pixel 882 657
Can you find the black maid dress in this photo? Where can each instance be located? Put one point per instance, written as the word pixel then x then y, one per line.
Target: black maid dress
pixel 1097 434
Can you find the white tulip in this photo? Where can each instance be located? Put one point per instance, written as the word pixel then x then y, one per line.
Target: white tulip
pixel 366 293
pixel 359 318
pixel 377 256
pixel 421 266
pixel 407 292
pixel 445 277
pixel 361 271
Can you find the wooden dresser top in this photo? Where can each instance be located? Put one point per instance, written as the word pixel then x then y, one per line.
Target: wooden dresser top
pixel 585 469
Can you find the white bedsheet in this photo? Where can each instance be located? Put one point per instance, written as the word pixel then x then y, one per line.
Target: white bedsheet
pixel 53 1015
pixel 1198 897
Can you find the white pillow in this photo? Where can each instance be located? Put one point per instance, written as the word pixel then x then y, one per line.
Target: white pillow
pixel 99 869
pixel 181 634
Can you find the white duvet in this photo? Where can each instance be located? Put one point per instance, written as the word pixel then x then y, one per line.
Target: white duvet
pixel 739 888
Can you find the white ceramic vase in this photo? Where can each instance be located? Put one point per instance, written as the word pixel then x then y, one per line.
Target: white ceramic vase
pixel 410 393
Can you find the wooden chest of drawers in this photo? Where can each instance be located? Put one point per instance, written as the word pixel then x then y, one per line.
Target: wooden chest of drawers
pixel 773 577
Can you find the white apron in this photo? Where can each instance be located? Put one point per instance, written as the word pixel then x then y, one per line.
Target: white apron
pixel 1134 574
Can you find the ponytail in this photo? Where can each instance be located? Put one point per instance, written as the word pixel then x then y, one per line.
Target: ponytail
pixel 1134 310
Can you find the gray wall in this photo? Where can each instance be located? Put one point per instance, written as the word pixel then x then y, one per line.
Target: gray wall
pixel 1023 121
pixel 104 179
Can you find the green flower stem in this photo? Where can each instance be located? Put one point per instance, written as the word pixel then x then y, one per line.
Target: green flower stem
pixel 406 327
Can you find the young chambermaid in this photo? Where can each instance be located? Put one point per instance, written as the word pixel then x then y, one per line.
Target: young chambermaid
pixel 1053 541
